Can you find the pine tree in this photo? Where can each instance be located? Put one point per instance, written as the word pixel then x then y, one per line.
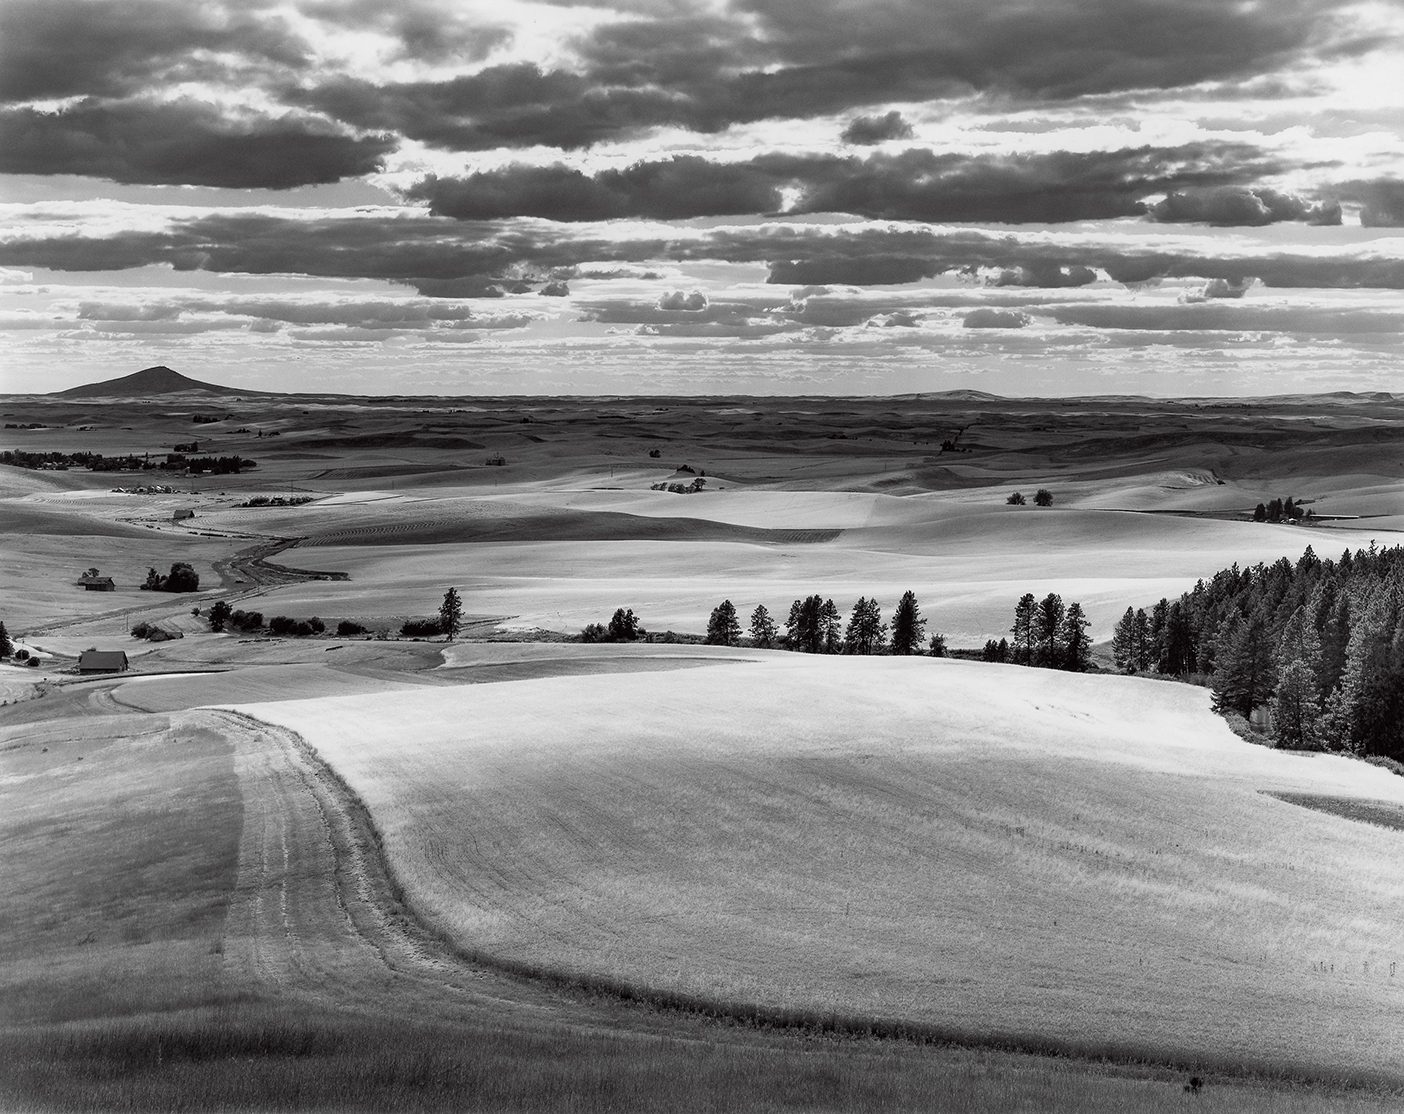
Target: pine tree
pixel 1123 641
pixel 1021 648
pixel 804 629
pixel 6 646
pixel 830 628
pixel 1243 679
pixel 451 614
pixel 1141 641
pixel 866 630
pixel 908 626
pixel 1048 623
pixel 1179 657
pixel 723 628
pixel 1296 708
pixel 1077 647
pixel 763 631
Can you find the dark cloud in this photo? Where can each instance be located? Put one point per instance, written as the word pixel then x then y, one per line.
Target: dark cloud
pixel 555 289
pixel 186 143
pixel 66 48
pixel 444 258
pixel 1381 201
pixel 678 300
pixel 917 184
pixel 1242 205
pixel 1046 274
pixel 990 318
pixel 425 30
pixel 864 130
pixel 1210 317
pixel 808 58
pixel 676 188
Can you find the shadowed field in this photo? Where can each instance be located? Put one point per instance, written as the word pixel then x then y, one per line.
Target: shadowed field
pixel 752 881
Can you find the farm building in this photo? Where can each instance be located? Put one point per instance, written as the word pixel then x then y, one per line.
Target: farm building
pixel 182 514
pixel 99 584
pixel 102 661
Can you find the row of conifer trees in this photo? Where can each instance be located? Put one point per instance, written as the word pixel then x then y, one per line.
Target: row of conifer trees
pixel 1320 643
pixel 815 626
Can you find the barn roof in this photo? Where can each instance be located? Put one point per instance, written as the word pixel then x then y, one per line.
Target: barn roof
pixel 102 659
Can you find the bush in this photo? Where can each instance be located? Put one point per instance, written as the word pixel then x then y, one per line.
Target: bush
pixel 1016 499
pixel 421 628
pixel 347 629
pixel 246 620
pixel 1043 497
pixel 21 654
pixel 142 630
pixel 298 628
pixel 594 632
pixel 182 578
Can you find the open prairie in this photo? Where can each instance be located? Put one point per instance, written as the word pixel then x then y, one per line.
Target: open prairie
pixel 518 871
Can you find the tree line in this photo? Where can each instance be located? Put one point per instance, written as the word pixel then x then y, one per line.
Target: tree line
pixel 1046 633
pixel 1319 643
pixel 815 625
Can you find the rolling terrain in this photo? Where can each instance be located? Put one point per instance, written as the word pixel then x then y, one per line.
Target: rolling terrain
pixel 521 872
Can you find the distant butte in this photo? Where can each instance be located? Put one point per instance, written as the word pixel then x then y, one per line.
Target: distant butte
pixel 159 380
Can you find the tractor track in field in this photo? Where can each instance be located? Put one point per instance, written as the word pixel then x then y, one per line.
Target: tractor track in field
pixel 316 915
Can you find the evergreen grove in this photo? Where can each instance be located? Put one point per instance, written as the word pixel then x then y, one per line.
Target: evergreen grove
pixel 1319 644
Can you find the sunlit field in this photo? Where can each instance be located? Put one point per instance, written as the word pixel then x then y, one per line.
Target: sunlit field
pixel 989 851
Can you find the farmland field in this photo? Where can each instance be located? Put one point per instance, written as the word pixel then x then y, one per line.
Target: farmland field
pixel 519 870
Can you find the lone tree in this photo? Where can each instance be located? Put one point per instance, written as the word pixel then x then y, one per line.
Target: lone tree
pixel 1016 499
pixel 723 629
pixel 624 626
pixel 6 646
pixel 219 615
pixel 763 631
pixel 451 614
pixel 907 625
pixel 1043 497
pixel 1021 648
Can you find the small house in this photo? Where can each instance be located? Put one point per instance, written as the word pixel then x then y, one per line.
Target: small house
pixel 102 661
pixel 99 584
pixel 182 514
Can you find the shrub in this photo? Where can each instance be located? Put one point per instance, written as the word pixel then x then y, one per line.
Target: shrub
pixel 594 632
pixel 142 630
pixel 182 578
pixel 1043 497
pixel 347 629
pixel 246 620
pixel 421 628
pixel 21 654
pixel 1016 499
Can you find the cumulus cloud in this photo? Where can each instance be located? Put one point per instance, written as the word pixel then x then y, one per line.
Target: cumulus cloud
pixel 555 289
pixel 917 184
pixel 1222 288
pixel 784 59
pixel 990 318
pixel 1242 205
pixel 864 130
pixel 184 142
pixel 1381 201
pixel 898 319
pixel 65 48
pixel 443 258
pixel 1045 273
pixel 678 300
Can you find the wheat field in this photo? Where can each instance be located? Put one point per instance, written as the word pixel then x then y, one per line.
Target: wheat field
pixel 1088 863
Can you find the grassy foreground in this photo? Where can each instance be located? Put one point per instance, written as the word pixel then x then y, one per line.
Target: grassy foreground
pixel 126 839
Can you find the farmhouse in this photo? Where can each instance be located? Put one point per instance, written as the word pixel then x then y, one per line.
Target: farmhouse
pixel 102 661
pixel 99 584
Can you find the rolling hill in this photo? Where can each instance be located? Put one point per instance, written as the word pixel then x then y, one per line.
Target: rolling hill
pixel 159 380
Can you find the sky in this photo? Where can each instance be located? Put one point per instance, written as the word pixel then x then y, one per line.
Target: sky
pixel 458 197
